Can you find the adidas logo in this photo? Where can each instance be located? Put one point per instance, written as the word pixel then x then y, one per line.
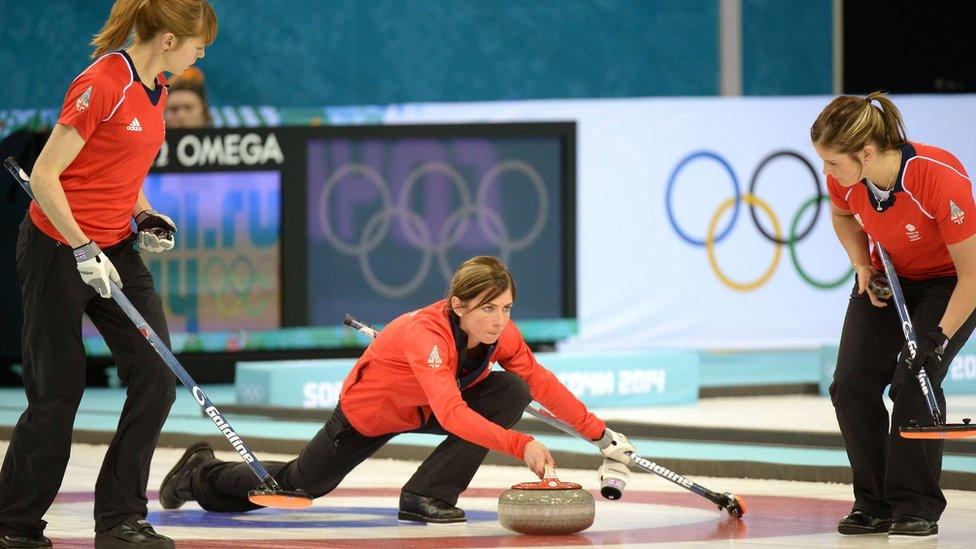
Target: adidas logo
pixel 134 126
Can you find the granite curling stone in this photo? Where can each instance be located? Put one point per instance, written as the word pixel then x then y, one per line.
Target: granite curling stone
pixel 546 507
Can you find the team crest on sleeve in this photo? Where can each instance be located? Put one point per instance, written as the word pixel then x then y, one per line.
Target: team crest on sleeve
pixel 434 358
pixel 956 214
pixel 84 101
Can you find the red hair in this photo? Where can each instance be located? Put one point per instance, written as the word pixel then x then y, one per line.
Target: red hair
pixel 183 18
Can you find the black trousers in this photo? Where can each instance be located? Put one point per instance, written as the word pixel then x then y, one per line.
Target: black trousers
pixel 893 476
pixel 54 299
pixel 338 448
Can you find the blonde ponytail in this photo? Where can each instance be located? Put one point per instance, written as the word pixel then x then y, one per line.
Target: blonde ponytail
pixel 849 123
pixel 891 132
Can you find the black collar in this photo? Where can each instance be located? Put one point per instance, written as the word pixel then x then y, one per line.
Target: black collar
pixel 461 342
pixel 155 94
pixel 907 152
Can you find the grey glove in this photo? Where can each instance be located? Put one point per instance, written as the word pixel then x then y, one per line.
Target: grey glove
pixel 615 446
pixel 96 269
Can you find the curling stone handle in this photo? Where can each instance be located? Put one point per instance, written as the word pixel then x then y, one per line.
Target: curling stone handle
pixel 550 472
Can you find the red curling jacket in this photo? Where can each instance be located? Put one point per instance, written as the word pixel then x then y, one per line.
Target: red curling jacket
pixel 410 371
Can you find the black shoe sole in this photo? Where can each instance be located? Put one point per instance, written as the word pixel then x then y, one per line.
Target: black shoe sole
pixel 853 530
pixel 196 447
pixel 27 545
pixel 926 533
pixel 105 541
pixel 414 517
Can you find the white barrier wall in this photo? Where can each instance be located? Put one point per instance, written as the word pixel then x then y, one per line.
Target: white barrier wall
pixel 600 380
pixel 654 173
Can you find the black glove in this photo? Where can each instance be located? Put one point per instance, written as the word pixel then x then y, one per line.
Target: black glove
pixel 155 231
pixel 929 353
pixel 879 285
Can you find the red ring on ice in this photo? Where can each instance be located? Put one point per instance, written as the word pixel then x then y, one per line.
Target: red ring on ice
pixel 768 516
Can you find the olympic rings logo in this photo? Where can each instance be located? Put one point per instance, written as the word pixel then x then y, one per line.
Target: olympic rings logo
pixel 714 235
pixel 234 286
pixel 230 284
pixel 473 207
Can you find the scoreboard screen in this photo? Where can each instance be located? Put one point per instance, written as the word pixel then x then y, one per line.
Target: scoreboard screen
pixel 287 227
pixel 390 219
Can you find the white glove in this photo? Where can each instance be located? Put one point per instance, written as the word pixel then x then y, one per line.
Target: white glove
pixel 615 446
pixel 96 269
pixel 155 231
pixel 613 478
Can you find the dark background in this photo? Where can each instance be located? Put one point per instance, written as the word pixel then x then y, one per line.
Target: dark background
pixel 897 46
pixel 909 46
pixel 554 289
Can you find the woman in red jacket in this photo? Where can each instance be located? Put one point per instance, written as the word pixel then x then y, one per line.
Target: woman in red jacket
pixel 912 198
pixel 428 371
pixel 75 242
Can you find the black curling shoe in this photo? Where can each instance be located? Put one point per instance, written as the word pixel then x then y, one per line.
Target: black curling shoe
pixel 175 489
pixel 426 509
pixel 859 522
pixel 913 526
pixel 133 533
pixel 23 542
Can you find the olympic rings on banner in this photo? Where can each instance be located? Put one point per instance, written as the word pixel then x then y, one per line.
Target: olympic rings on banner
pixel 710 242
pixel 796 260
pixel 472 207
pixel 816 191
pixel 752 200
pixel 670 209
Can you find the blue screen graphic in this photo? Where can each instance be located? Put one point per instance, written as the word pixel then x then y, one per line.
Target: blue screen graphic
pixel 389 220
pixel 223 273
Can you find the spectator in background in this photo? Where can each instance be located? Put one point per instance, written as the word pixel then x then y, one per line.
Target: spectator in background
pixel 187 107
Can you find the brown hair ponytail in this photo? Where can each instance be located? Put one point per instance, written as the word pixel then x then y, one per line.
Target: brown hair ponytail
pixel 849 123
pixel 183 18
pixel 478 274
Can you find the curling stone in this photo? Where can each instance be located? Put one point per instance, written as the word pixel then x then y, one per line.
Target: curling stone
pixel 546 507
